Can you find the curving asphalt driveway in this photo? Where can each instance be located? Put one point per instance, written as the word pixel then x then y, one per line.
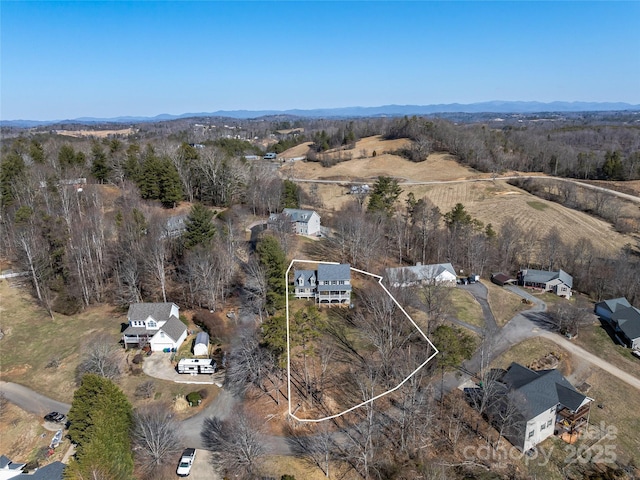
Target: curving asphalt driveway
pixel 31 401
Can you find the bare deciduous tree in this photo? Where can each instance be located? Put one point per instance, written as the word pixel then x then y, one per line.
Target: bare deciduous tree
pixel 237 443
pixel 100 357
pixel 155 434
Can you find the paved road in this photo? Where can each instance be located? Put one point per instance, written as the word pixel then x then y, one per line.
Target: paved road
pixel 593 359
pixel 31 401
pixel 480 292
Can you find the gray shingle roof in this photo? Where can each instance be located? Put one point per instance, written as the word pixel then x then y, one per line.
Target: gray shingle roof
pixel 53 471
pixel 140 311
pixel 541 390
pixel 174 328
pixel 614 303
pixel 138 331
pixel 328 272
pixel 5 462
pixel 628 320
pixel 298 215
pixel 202 338
pixel 544 276
pixel 306 275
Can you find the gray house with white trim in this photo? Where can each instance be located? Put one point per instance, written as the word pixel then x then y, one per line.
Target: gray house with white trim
pixel 623 318
pixel 435 274
pixel 546 403
pixel 558 282
pixel 328 284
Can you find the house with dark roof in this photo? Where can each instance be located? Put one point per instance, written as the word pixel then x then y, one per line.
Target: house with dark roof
pixel 330 283
pixel 623 318
pixel 9 469
pixel 502 279
pixel 435 274
pixel 14 470
pixel 303 222
pixel 155 324
pixel 559 282
pixel 545 403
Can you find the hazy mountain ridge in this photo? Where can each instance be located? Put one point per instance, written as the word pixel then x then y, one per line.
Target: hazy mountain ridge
pixel 384 110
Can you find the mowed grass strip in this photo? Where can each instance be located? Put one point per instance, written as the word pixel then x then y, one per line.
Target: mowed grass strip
pixel 538 205
pixel 504 304
pixel 32 339
pixel 466 308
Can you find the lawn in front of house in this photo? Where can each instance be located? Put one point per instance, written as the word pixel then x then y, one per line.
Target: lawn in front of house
pixel 42 353
pixel 33 344
pixel 465 307
pixel 503 303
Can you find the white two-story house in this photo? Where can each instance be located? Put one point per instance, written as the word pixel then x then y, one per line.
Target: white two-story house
pixel 327 284
pixel 303 222
pixel 546 404
pixel 155 324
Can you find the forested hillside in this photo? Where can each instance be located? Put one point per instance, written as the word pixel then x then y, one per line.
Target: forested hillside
pixel 111 238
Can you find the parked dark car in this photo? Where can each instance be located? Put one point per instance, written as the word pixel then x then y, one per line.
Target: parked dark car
pixel 55 417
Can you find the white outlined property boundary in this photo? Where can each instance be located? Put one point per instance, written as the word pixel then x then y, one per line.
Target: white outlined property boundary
pixel 286 276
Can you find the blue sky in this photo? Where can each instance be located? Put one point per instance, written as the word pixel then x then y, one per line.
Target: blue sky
pixel 104 59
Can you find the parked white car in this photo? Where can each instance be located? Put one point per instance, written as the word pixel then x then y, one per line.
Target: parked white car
pixel 186 462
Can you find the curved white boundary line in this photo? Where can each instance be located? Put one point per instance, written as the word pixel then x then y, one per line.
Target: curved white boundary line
pixel 286 277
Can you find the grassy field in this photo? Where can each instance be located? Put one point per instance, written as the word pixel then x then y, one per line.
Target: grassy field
pixel 32 339
pixel 466 308
pixel 504 304
pixel 494 202
pixel 529 351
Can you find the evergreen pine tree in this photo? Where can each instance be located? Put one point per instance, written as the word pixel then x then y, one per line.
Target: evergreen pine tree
pixel 199 226
pixel 100 422
pixel 274 261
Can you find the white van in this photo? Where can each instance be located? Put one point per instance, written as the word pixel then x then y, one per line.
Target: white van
pixel 270 156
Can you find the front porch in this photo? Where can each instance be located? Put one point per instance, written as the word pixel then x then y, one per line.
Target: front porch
pixel 333 297
pixel 136 341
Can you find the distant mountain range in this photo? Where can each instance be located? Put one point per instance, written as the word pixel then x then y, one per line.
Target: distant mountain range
pixel 385 110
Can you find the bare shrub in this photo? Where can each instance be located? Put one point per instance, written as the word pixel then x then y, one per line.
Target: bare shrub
pixel 54 362
pixel 137 359
pixel 146 389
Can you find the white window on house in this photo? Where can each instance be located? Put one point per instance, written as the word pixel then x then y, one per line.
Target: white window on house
pixel 341 282
pixel 334 282
pixel 549 423
pixel 152 324
pixel 543 426
pixel 531 433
